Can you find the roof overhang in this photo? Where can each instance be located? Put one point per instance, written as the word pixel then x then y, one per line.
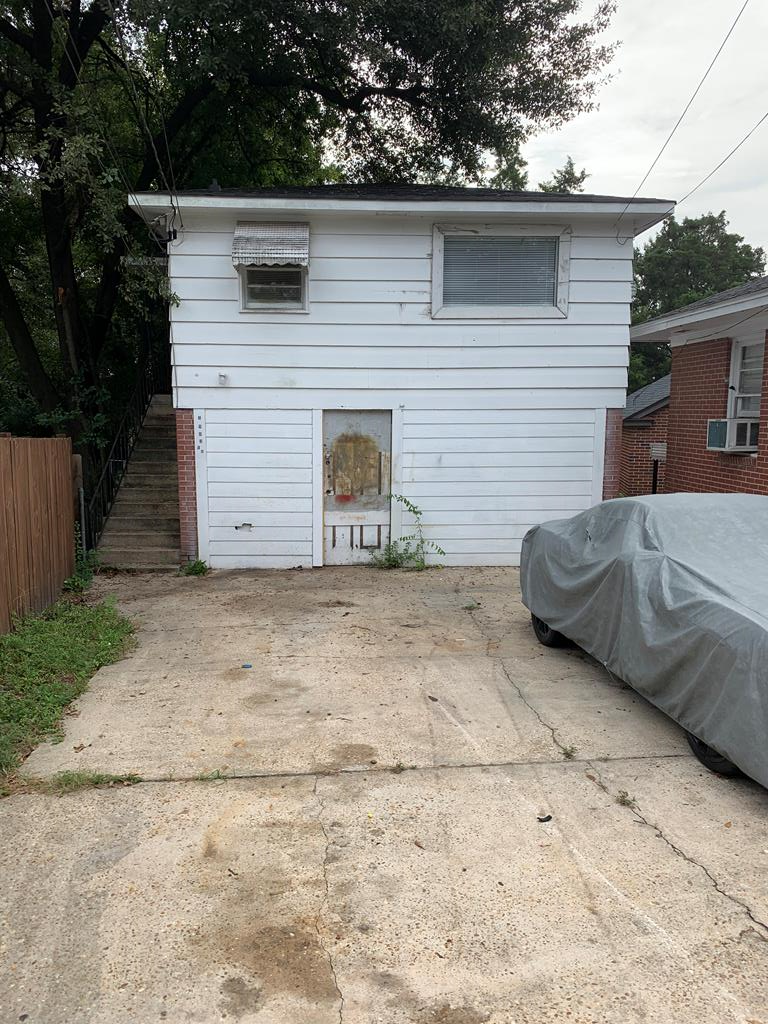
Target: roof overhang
pixel 635 217
pixel 714 320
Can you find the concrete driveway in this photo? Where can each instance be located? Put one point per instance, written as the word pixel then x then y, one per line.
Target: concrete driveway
pixel 349 830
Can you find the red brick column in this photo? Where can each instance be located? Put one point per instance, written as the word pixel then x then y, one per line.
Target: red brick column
pixel 636 461
pixel 612 463
pixel 185 453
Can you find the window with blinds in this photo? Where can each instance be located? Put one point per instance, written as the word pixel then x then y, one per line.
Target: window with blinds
pixel 499 270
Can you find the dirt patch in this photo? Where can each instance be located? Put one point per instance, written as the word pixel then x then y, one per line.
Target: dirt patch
pixel 349 755
pixel 239 998
pixel 445 1013
pixel 287 959
pixel 272 690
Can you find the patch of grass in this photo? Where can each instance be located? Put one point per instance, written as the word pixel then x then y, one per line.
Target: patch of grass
pixel 623 798
pixel 570 752
pixel 46 663
pixel 213 776
pixel 471 606
pixel 195 568
pixel 71 782
pixel 392 556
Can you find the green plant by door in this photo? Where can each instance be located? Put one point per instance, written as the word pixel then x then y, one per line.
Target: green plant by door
pixel 409 552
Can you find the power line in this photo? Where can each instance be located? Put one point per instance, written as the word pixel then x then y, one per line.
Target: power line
pixel 727 157
pixel 686 108
pixel 143 120
pixel 105 137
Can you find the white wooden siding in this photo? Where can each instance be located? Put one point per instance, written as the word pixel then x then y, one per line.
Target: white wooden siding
pixel 258 472
pixel 482 483
pixel 496 422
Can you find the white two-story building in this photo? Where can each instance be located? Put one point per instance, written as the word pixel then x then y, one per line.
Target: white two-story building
pixel 334 345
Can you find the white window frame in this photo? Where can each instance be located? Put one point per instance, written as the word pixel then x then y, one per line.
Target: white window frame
pixel 558 311
pixel 734 417
pixel 302 307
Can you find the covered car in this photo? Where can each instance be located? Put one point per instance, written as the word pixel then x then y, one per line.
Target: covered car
pixel 670 593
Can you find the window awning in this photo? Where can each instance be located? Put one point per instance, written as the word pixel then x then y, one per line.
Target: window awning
pixel 273 243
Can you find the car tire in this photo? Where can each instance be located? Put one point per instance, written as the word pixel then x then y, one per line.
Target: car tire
pixel 546 635
pixel 710 758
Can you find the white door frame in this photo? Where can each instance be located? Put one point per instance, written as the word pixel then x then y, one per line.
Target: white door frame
pixel 396 460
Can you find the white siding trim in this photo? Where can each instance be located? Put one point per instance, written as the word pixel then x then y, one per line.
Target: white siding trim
pixel 598 464
pixel 396 471
pixel 317 487
pixel 201 483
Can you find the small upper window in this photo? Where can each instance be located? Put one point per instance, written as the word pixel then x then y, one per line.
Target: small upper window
pixel 500 271
pixel 748 380
pixel 272 258
pixel 274 288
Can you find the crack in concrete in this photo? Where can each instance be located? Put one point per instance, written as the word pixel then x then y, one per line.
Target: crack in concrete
pixel 640 817
pixel 745 907
pixel 542 721
pixel 32 782
pixel 326 899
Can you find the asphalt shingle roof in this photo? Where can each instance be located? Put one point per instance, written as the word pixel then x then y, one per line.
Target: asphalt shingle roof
pixel 757 284
pixel 648 396
pixel 425 193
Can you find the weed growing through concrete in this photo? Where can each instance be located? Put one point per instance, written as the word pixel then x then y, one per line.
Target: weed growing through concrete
pixel 471 606
pixel 409 552
pixel 213 776
pixel 570 752
pixel 86 564
pixel 71 782
pixel 623 798
pixel 45 663
pixel 195 568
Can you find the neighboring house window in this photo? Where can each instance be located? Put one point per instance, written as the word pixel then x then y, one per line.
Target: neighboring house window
pixel 745 391
pixel 500 271
pixel 272 259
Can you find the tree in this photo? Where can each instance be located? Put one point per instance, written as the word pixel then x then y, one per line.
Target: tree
pixel 102 98
pixel 685 262
pixel 566 179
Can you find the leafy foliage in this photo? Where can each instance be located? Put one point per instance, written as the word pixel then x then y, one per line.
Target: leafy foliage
pixel 46 663
pixel 687 261
pixel 101 100
pixel 197 567
pixel 566 179
pixel 411 551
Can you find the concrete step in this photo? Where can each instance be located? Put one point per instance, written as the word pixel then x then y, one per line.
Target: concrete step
pixel 147 557
pixel 160 402
pixel 124 518
pixel 143 453
pixel 137 539
pixel 151 468
pixel 149 508
pixel 156 443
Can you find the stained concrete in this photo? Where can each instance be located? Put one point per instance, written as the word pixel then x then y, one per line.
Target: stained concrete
pixel 391 868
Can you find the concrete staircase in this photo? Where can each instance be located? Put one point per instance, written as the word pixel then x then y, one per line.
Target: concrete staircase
pixel 142 531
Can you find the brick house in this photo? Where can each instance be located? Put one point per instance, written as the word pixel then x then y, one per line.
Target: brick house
pixel 717 426
pixel 644 439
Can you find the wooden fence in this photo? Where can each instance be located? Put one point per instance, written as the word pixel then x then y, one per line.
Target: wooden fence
pixel 37 547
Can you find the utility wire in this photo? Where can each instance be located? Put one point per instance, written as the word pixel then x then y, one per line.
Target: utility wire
pixel 677 123
pixel 143 120
pixel 727 157
pixel 105 137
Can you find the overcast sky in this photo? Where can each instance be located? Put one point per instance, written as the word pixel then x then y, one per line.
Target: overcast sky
pixel 665 47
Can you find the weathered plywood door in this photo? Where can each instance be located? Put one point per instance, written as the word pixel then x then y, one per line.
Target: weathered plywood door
pixel 356 462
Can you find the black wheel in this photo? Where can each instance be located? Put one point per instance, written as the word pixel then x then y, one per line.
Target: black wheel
pixel 545 635
pixel 710 758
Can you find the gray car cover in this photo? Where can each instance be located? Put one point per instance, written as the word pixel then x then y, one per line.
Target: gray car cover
pixel 670 592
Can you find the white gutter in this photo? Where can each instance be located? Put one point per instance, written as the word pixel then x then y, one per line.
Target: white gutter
pixel 647 213
pixel 660 328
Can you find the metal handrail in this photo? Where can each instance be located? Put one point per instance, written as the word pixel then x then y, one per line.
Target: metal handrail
pixel 99 503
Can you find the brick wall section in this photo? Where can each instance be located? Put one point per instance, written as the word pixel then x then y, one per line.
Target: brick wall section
pixel 612 464
pixel 700 378
pixel 185 450
pixel 636 461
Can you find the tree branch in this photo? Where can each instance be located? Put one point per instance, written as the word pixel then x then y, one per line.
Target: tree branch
pixel 23 345
pixel 16 36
